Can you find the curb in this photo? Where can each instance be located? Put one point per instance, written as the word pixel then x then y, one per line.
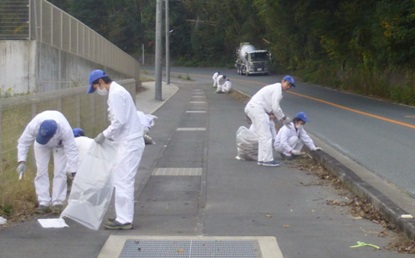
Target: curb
pixel 391 211
pixel 383 204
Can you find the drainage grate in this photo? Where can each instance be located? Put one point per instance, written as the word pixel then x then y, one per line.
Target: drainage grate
pixel 191 248
pixel 177 172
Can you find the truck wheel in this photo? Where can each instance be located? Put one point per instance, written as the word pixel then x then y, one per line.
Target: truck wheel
pixel 243 70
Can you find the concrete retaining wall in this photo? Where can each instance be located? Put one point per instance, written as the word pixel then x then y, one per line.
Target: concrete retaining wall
pixel 27 66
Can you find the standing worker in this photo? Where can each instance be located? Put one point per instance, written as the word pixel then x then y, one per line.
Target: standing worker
pixel 52 134
pixel 291 139
pixel 220 80
pixel 215 78
pixel 264 102
pixel 126 130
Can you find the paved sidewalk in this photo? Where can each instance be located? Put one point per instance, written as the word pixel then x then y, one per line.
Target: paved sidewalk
pixel 146 100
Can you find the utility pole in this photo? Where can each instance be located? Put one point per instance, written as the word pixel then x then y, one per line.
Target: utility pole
pixel 167 43
pixel 158 92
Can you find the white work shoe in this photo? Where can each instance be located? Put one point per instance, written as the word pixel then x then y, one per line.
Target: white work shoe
pixel 273 163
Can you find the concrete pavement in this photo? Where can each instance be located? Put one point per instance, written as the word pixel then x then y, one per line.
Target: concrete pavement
pixel 192 193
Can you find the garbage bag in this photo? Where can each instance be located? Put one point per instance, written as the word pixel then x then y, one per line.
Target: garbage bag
pixel 93 186
pixel 246 144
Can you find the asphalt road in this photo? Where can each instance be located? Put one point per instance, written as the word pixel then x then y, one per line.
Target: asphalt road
pixel 373 133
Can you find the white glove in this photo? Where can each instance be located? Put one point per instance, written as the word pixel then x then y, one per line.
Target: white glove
pixel 21 169
pixel 286 120
pixel 100 138
pixel 296 152
pixel 317 149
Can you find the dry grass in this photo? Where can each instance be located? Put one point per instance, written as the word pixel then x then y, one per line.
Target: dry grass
pixel 359 208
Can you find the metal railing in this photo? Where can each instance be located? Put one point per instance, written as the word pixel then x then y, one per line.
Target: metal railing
pixel 41 21
pixel 54 27
pixel 14 19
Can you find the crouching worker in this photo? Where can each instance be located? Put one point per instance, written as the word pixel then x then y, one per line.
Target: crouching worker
pixel 226 87
pixel 51 134
pixel 291 139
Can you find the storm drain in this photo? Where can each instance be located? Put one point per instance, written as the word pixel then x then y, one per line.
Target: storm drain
pixel 177 172
pixel 191 248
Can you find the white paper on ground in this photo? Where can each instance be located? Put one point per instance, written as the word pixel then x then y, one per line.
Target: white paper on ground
pixel 2 220
pixel 53 223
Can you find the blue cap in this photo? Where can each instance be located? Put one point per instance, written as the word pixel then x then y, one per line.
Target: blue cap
pixel 302 116
pixel 78 132
pixel 46 131
pixel 289 79
pixel 93 76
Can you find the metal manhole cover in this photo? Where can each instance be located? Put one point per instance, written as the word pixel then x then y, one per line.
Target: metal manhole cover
pixel 191 248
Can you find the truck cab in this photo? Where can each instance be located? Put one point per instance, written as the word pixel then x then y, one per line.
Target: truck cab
pixel 251 61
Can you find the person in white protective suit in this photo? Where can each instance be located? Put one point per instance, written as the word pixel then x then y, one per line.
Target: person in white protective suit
pixel 215 79
pixel 225 87
pixel 125 129
pixel 220 79
pixel 291 139
pixel 51 133
pixel 147 122
pixel 266 101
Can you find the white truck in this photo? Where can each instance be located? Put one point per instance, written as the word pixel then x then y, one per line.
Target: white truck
pixel 250 60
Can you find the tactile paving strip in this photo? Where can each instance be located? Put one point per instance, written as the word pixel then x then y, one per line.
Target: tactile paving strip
pixel 177 172
pixel 191 248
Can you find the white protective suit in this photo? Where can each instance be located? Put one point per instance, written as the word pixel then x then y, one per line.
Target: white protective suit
pixel 83 144
pixel 214 78
pixel 126 130
pixel 147 121
pixel 227 86
pixel 220 79
pixel 265 101
pixel 65 156
pixel 289 138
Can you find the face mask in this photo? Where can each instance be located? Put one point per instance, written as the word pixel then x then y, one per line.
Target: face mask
pixel 102 92
pixel 299 127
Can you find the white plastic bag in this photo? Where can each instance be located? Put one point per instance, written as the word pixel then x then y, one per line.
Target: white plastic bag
pixel 93 186
pixel 246 144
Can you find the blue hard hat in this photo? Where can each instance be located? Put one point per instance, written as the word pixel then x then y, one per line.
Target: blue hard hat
pixel 78 132
pixel 46 131
pixel 302 116
pixel 93 76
